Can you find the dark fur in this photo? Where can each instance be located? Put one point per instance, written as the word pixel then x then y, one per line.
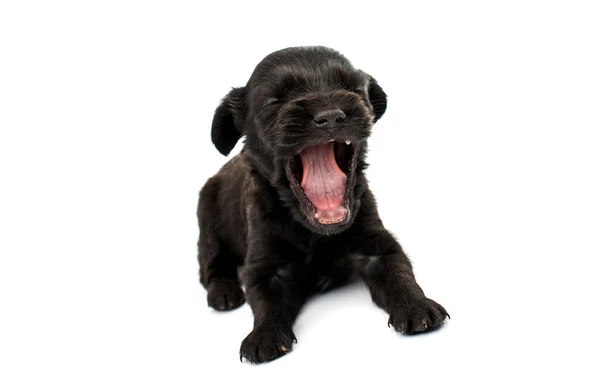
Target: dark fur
pixel 250 217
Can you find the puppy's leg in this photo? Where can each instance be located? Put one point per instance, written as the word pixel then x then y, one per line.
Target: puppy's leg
pixel 276 293
pixel 218 264
pixel 389 275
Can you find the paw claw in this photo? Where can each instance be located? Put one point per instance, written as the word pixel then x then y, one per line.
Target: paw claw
pixel 418 316
pixel 267 344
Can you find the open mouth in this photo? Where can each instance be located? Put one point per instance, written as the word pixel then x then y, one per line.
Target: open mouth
pixel 321 175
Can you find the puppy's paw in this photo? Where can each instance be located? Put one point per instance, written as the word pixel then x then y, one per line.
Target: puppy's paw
pixel 225 294
pixel 417 316
pixel 266 344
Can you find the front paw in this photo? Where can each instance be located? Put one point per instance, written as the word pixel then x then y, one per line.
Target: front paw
pixel 416 316
pixel 267 343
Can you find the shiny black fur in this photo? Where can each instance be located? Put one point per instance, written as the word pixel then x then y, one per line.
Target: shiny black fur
pixel 252 220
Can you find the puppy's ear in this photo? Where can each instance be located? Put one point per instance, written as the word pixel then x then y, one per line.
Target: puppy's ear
pixel 378 99
pixel 226 125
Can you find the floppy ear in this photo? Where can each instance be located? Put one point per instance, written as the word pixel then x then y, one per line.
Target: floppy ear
pixel 378 99
pixel 226 125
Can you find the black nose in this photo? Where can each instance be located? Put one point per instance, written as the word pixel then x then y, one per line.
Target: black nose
pixel 329 117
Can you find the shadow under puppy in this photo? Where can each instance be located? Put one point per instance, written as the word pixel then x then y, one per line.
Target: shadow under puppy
pixel 293 209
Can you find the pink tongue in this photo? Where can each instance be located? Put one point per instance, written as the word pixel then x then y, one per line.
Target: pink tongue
pixel 323 181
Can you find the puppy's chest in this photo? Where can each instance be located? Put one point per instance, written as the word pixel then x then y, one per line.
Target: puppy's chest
pixel 327 266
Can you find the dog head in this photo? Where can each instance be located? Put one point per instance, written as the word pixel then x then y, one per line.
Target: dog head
pixel 307 114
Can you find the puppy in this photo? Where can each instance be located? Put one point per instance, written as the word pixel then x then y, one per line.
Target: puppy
pixel 293 210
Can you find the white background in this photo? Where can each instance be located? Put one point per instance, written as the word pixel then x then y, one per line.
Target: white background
pixel 485 166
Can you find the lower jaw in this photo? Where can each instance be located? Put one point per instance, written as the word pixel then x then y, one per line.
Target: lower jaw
pixel 332 216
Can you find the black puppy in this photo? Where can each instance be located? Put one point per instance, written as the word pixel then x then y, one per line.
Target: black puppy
pixel 293 209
